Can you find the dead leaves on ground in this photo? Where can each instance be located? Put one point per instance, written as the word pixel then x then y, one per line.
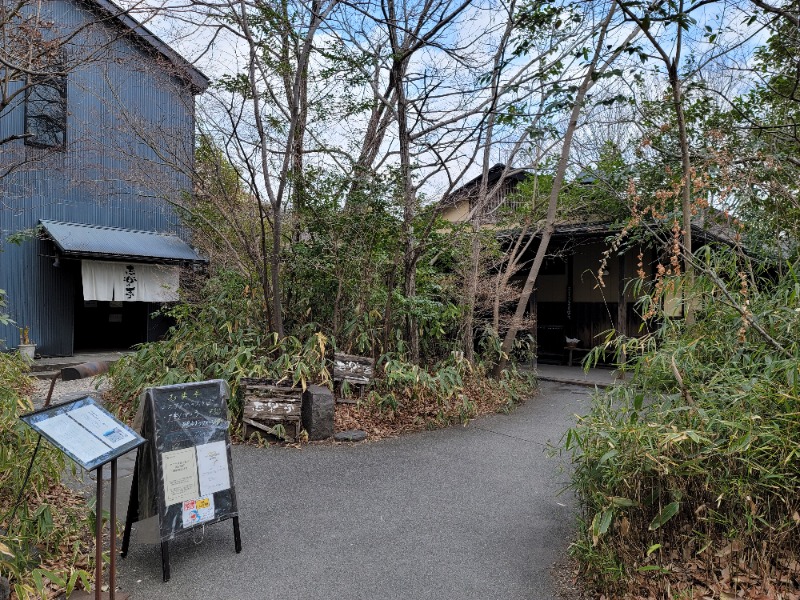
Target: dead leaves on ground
pixel 724 571
pixel 421 412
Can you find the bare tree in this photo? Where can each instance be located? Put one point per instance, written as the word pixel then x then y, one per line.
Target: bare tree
pixel 672 32
pixel 260 115
pixel 599 63
pixel 435 122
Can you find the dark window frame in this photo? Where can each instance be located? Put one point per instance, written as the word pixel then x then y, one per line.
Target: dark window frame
pixel 553 265
pixel 58 122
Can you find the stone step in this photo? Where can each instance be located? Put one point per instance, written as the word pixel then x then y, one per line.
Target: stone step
pixel 43 374
pixel 52 366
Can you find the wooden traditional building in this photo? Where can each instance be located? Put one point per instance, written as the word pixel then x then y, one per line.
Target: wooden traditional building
pixel 500 183
pixel 573 297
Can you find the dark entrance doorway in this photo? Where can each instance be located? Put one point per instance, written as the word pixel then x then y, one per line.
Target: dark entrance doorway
pixel 102 325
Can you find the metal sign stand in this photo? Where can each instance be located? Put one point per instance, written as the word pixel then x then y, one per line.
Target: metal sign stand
pixel 92 437
pixel 98 542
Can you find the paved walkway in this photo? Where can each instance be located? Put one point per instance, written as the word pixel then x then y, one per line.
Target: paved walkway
pixel 462 513
pixel 577 375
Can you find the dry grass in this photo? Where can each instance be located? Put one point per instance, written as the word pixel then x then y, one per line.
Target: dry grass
pixel 423 411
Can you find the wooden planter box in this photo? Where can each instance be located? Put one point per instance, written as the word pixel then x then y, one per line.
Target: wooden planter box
pixel 272 410
pixel 355 371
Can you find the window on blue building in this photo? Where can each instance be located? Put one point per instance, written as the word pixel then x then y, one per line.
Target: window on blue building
pixel 46 112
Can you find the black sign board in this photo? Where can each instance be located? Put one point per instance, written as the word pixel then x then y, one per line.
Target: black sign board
pixel 84 431
pixel 184 474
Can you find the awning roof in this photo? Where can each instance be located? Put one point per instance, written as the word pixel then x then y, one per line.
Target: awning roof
pixel 96 241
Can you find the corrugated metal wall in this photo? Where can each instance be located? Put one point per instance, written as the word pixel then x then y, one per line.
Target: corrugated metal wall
pixel 130 136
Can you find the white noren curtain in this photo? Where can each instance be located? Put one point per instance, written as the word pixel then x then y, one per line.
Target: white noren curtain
pixel 129 282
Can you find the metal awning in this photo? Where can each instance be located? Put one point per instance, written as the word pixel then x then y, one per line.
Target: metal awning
pixel 80 240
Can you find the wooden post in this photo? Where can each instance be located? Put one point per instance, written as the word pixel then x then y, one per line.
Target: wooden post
pixel 98 535
pixel 112 532
pixel 570 329
pixel 622 307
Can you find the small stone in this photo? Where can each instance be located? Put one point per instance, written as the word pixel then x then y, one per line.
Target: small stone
pixel 352 435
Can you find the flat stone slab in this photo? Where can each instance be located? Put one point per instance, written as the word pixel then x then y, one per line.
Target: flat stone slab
pixel 351 435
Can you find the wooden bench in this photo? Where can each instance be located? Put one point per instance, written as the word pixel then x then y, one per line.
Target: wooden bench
pixel 580 351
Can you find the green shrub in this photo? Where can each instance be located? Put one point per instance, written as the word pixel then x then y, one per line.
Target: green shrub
pixel 696 461
pixel 38 536
pixel 19 440
pixel 220 336
pixel 406 397
pixel 223 336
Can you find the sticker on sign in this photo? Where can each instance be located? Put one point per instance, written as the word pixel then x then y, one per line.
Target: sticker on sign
pixel 197 511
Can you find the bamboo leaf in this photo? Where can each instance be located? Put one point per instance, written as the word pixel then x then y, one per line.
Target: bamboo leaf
pixel 605 521
pixel 5 550
pixel 623 502
pixel 669 511
pixel 649 568
pixel 608 456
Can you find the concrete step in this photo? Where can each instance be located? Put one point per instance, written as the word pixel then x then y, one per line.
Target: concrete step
pixel 44 374
pixel 52 365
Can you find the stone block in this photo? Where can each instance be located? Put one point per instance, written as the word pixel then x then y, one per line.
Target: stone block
pixel 317 411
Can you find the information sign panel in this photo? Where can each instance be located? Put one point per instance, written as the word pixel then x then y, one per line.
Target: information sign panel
pixel 185 475
pixel 84 431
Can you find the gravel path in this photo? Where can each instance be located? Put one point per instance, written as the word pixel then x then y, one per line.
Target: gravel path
pixel 67 390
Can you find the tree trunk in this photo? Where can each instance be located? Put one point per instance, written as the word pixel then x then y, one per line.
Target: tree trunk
pixel 471 288
pixel 588 80
pixel 277 305
pixel 396 80
pixel 686 191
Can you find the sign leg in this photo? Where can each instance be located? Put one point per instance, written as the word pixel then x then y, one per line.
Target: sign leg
pixel 237 538
pixel 165 560
pixel 133 508
pixel 98 535
pixel 112 532
pixel 24 483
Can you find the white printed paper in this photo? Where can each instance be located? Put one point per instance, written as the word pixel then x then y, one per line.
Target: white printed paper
pixel 198 511
pixel 101 425
pixel 74 438
pixel 212 466
pixel 180 476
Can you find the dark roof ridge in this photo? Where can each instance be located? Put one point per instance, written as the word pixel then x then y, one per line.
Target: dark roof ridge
pixel 103 227
pixel 494 173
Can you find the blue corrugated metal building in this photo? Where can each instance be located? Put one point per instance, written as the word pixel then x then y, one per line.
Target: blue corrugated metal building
pixel 104 152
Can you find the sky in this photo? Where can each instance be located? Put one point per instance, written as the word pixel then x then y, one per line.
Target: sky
pixel 218 52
